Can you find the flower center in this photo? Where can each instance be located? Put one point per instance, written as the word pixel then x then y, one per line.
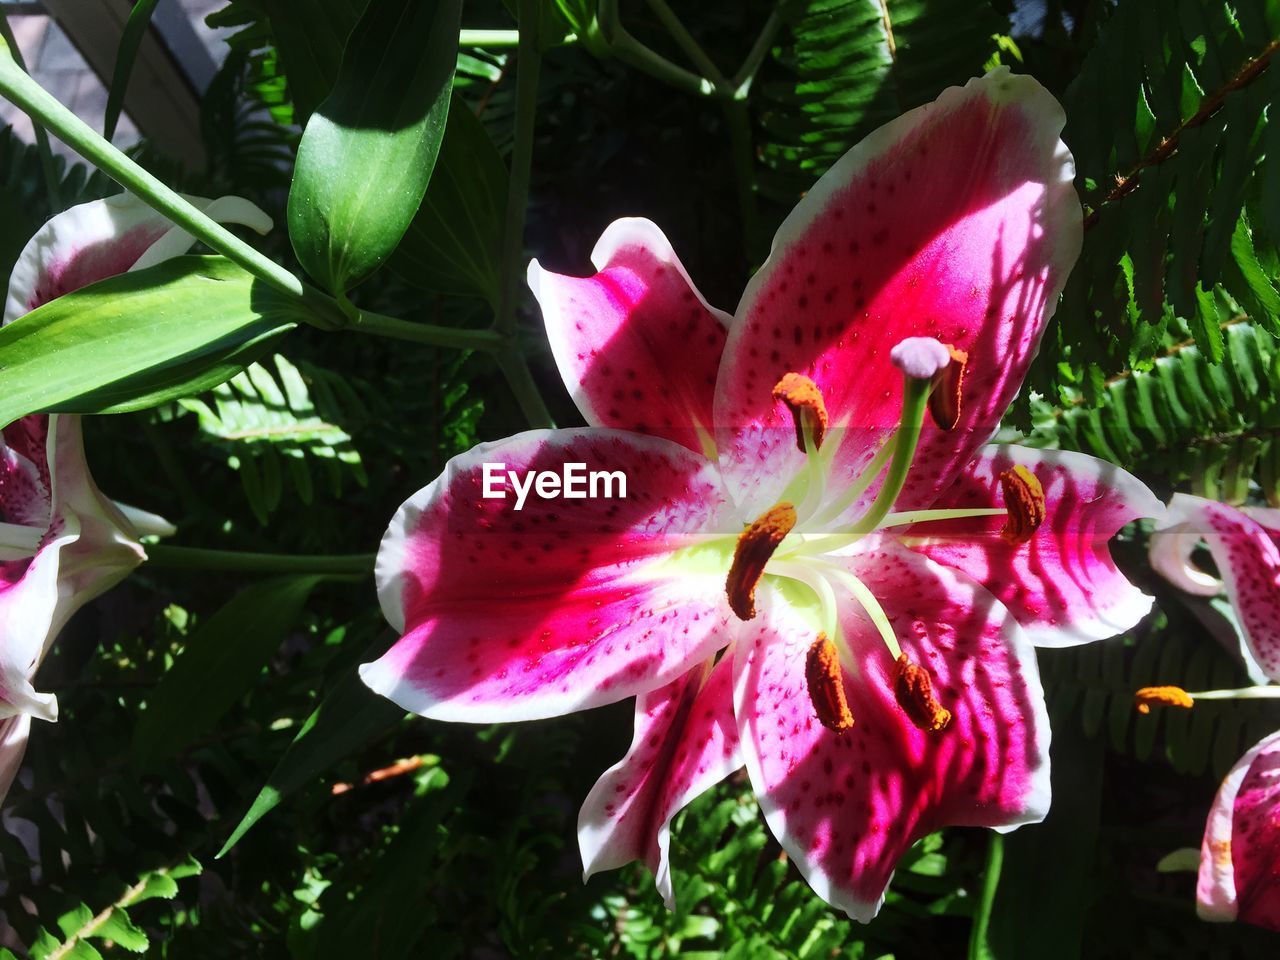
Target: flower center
pixel 755 547
pixel 797 543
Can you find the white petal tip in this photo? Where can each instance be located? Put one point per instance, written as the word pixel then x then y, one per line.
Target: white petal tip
pixel 920 357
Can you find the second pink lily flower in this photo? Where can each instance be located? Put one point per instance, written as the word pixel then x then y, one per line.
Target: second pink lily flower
pixel 807 574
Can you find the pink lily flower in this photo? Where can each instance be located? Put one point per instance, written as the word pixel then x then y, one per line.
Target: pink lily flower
pixel 806 575
pixel 62 542
pixel 1240 855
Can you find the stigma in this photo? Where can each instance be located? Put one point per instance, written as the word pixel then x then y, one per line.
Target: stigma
pixel 1024 499
pixel 755 547
pixel 913 689
pixel 826 686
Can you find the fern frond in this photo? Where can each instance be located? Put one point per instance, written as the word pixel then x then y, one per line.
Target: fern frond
pixel 267 423
pixel 847 66
pixel 1168 124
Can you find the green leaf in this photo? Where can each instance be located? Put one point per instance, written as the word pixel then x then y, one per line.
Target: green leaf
pixel 139 339
pixel 123 932
pixel 345 721
pixel 454 244
pixel 135 30
pixel 367 153
pixel 219 662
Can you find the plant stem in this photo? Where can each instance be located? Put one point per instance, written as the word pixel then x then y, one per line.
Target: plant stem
pixel 634 53
pixel 684 40
pixel 742 80
pixel 528 63
pixel 516 369
pixel 53 188
pixel 738 121
pixel 381 325
pixel 978 946
pixel 488 38
pixel 166 556
pixel 43 108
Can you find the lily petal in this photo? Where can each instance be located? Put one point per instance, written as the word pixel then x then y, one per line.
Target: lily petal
pixel 1240 856
pixel 637 345
pixel 1248 561
pixel 1062 584
pixel 517 614
pixel 957 221
pixel 846 806
pixel 1170 551
pixel 92 241
pixel 686 741
pixel 13 746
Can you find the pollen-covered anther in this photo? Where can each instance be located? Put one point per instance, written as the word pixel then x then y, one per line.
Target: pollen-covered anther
pixel 804 400
pixel 1024 499
pixel 755 547
pixel 913 689
pixel 1147 697
pixel 947 394
pixel 826 686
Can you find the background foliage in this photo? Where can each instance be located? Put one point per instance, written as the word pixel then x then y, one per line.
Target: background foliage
pixel 376 836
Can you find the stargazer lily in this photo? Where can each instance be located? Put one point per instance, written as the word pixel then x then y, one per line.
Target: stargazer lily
pixel 1240 854
pixel 62 542
pixel 819 569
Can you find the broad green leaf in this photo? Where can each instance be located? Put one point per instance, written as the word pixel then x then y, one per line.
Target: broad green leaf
pixel 219 662
pixel 139 339
pixel 454 244
pixel 367 153
pixel 345 721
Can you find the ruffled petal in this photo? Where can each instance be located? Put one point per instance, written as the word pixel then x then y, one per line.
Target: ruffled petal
pixel 846 806
pixel 686 741
pixel 958 221
pixel 1248 561
pixel 88 547
pixel 1240 857
pixel 13 746
pixel 515 614
pixel 1062 584
pixel 92 241
pixel 637 345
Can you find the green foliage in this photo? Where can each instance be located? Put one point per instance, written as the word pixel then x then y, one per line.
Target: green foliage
pixel 268 424
pixel 1183 418
pixel 848 66
pixel 1167 121
pixel 367 153
pixel 139 339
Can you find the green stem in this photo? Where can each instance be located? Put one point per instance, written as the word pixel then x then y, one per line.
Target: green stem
pixel 979 949
pixel 684 40
pixel 52 186
pixel 169 557
pixel 634 53
pixel 516 369
pixel 488 38
pixel 738 120
pixel 743 79
pixel 383 326
pixel 43 108
pixel 915 396
pixel 528 63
